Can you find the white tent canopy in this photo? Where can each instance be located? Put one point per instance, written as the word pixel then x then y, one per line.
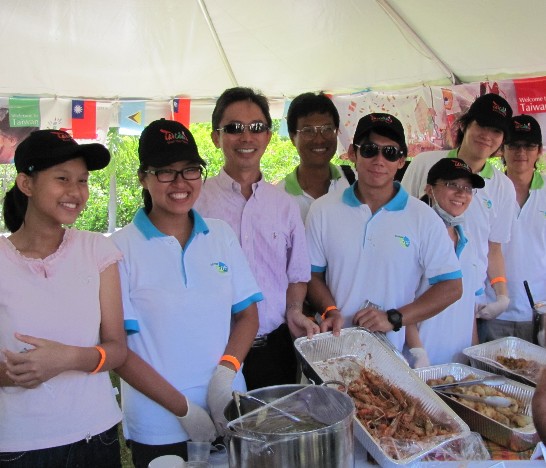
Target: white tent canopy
pixel 160 49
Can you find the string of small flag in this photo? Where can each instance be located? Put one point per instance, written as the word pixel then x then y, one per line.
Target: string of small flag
pixel 82 119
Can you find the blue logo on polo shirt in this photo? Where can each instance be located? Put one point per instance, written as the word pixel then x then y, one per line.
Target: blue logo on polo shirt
pixel 543 212
pixel 221 267
pixel 487 203
pixel 404 241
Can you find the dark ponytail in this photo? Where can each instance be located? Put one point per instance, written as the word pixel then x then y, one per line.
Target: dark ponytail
pixel 146 197
pixel 15 208
pixel 148 204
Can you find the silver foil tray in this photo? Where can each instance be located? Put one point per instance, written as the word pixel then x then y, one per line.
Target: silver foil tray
pixel 514 439
pixel 340 358
pixel 482 356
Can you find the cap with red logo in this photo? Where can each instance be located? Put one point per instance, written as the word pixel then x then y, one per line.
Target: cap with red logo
pixel 451 169
pixel 43 149
pixel 164 142
pixel 524 128
pixel 491 110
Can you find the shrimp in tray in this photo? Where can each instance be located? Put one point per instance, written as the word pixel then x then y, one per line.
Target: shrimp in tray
pixel 386 411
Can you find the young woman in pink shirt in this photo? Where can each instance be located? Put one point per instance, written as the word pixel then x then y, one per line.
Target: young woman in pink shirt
pixel 61 323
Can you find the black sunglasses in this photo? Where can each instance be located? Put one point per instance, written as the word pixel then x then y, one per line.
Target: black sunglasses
pixel 370 150
pixel 238 128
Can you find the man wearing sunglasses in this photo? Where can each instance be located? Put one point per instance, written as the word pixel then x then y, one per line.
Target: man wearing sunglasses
pixel 525 253
pixel 481 133
pixel 373 243
pixel 313 123
pixel 269 227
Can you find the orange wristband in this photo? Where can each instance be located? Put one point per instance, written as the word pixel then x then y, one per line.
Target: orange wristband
pixel 100 349
pixel 232 359
pixel 328 309
pixel 498 279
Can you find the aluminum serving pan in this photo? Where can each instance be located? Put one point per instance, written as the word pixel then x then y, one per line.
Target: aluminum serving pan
pixel 327 357
pixel 484 357
pixel 516 439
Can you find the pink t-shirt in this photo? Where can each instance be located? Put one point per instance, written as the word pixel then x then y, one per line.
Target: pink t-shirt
pixel 56 298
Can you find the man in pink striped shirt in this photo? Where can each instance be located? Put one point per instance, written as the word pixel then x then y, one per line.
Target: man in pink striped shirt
pixel 269 227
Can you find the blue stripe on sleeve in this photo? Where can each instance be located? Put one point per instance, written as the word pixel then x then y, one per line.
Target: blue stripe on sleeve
pixel 317 269
pixel 445 277
pixel 131 326
pixel 236 308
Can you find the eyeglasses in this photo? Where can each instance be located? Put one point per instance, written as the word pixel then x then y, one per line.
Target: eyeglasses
pixel 525 146
pixel 458 188
pixel 327 131
pixel 170 175
pixel 238 128
pixel 370 150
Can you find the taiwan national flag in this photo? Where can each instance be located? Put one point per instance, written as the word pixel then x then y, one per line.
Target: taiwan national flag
pixel 84 120
pixel 181 111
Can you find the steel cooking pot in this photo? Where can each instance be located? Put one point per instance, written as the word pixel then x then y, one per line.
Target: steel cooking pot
pixel 329 445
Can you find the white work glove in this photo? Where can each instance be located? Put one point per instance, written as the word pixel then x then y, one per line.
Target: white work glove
pixel 197 424
pixel 219 395
pixel 492 310
pixel 420 357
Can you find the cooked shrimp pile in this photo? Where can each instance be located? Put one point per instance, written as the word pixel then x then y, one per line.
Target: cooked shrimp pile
pixel 387 411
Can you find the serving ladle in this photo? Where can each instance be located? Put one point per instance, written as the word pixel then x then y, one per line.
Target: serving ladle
pixel 245 396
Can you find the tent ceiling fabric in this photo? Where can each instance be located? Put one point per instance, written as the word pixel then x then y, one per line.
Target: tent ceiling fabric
pixel 123 49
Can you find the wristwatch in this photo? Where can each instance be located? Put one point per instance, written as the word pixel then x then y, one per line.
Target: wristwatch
pixel 395 318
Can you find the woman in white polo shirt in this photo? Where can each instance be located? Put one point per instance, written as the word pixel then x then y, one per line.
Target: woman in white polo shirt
pixel 189 304
pixel 441 338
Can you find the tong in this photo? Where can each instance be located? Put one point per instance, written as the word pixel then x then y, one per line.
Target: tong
pixel 491 381
pixel 498 401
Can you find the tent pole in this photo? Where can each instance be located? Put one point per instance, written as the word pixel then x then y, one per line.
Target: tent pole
pixel 221 50
pixel 401 22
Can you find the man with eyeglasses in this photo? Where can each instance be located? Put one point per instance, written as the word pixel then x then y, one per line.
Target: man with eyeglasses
pixel 373 242
pixel 525 253
pixel 313 123
pixel 268 225
pixel 481 133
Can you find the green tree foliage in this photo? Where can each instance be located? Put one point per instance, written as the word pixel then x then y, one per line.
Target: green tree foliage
pixel 279 159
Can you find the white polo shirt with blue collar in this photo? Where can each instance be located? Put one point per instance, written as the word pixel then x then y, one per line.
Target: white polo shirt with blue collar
pixel 490 214
pixel 525 254
pixel 445 335
pixel 379 257
pixel 178 304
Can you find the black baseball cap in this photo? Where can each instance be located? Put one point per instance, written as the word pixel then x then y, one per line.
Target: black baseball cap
pixel 526 128
pixel 451 169
pixel 164 142
pixel 46 148
pixel 377 120
pixel 491 110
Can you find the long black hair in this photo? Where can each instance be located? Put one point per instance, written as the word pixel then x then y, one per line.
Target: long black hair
pixel 14 208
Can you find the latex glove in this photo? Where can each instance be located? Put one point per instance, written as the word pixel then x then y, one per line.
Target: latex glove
pixel 493 309
pixel 420 357
pixel 219 395
pixel 197 424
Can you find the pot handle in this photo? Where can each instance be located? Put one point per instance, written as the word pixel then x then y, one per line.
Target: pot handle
pixel 339 383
